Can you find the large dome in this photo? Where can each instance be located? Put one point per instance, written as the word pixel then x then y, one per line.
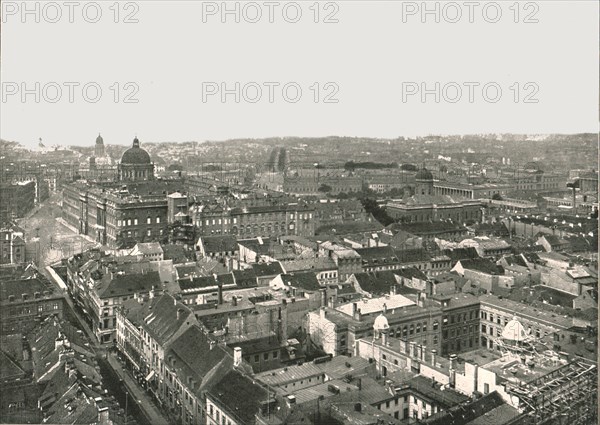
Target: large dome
pixel 99 140
pixel 135 154
pixel 424 174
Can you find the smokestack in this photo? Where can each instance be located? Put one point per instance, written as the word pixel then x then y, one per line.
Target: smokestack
pixel 237 357
pixel 384 338
pixel 323 297
pixel 354 309
pixel 220 294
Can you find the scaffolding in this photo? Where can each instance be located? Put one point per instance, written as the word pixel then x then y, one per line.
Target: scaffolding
pixel 567 395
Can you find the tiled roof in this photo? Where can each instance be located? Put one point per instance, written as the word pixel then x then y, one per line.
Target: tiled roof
pixel 375 305
pixel 128 284
pixel 482 265
pixel 195 358
pixel 304 280
pixel 431 389
pixel 245 278
pixel 240 396
pixel 376 283
pixel 267 269
pixel 161 320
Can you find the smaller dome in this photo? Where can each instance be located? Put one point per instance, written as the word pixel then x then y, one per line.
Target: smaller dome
pixel 381 323
pixel 514 331
pixel 424 174
pixel 99 140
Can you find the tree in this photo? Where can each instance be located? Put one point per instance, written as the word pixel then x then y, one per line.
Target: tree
pixel 408 167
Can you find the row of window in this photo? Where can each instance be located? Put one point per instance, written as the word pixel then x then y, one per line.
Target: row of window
pixel 134 222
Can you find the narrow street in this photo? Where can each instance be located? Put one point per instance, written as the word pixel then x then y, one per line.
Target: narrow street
pixel 51 241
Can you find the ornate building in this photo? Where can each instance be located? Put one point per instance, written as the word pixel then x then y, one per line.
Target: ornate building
pixel 136 164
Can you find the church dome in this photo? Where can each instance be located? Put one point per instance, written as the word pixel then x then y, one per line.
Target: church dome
pixel 99 140
pixel 135 154
pixel 381 323
pixel 424 174
pixel 514 331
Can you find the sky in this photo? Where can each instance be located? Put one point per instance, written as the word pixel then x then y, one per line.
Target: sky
pixel 187 71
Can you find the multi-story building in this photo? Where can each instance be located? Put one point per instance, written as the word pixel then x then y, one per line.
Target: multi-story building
pixel 23 302
pixel 497 312
pixel 12 244
pixel 252 221
pixel 460 322
pixel 17 199
pixel 426 206
pixel 347 260
pixel 337 329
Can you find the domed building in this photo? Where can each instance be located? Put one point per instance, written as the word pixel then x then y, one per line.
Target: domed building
pixel 381 326
pixel 136 164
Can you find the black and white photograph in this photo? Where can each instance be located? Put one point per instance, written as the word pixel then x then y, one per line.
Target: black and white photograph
pixel 310 212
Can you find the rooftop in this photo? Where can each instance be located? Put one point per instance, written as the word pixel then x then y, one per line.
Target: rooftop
pixel 376 305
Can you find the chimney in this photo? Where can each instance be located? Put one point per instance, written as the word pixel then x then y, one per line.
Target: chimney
pixel 412 348
pixel 418 354
pixel 322 312
pixel 103 415
pixel 393 290
pixel 331 303
pixel 220 294
pixel 384 308
pixel 384 338
pixel 453 361
pixel 234 301
pixel 323 297
pixel 179 313
pixel 237 357
pixel 423 352
pixel 433 354
pixel 354 309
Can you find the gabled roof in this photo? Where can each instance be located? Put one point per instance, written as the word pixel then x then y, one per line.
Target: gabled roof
pixel 376 283
pixel 245 278
pixel 240 396
pixel 161 319
pixel 196 357
pixel 482 265
pixel 303 280
pixel 267 269
pixel 377 255
pixel 128 284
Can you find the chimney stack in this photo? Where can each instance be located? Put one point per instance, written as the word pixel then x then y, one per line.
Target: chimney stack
pixel 323 297
pixel 237 357
pixel 179 313
pixel 453 358
pixel 220 294
pixel 354 309
pixel 384 338
pixel 433 354
pixel 423 352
